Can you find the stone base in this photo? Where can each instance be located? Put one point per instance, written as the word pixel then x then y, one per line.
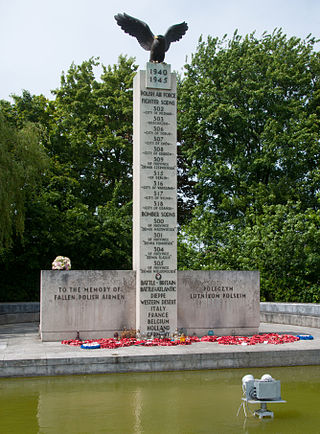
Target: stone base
pixel 99 303
pixel 227 302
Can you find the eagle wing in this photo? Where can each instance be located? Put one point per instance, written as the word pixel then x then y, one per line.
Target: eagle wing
pixel 174 33
pixel 136 28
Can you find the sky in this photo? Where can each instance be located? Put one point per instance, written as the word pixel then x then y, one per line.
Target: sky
pixel 39 39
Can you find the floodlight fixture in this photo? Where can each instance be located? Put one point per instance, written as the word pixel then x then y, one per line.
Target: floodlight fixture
pixel 263 391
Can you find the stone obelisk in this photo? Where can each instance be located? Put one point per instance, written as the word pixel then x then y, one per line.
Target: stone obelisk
pixel 155 199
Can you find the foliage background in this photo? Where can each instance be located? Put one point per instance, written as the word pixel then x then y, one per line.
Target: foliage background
pixel 248 172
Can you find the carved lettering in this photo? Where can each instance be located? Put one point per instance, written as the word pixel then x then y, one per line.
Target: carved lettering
pixel 155 185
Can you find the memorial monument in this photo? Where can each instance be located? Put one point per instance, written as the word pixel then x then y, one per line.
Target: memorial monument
pixel 155 199
pixel 154 180
pixel 154 297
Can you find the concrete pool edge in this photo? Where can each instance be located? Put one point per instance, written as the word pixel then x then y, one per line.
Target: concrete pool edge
pixel 22 354
pixel 155 363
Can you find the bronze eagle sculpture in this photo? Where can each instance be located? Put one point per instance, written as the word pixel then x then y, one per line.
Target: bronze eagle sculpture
pixel 156 44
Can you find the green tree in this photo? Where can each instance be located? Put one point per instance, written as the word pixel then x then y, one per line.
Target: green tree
pixel 83 209
pixel 282 242
pixel 249 122
pixel 249 133
pixel 22 161
pixel 93 129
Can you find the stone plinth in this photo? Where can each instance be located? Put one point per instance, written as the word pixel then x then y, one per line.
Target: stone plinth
pixel 155 199
pixel 227 302
pixel 94 303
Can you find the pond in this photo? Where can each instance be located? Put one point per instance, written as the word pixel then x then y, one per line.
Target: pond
pixel 170 402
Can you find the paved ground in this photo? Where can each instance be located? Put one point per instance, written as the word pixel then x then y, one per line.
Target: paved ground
pixel 23 354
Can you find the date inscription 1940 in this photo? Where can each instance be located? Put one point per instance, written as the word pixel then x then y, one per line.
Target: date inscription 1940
pixel 158 76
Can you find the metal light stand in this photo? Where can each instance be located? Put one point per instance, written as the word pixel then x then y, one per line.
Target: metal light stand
pixel 262 411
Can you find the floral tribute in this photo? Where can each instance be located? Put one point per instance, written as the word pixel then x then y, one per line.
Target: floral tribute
pixel 110 343
pixel 268 338
pixel 61 263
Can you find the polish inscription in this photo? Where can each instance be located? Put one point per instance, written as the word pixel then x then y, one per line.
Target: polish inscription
pixel 156 216
pixel 217 292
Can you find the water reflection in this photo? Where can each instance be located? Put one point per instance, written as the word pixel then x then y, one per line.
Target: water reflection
pixel 137 410
pixel 172 402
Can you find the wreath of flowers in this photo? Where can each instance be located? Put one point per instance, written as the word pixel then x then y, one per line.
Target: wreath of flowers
pixel 61 263
pixel 110 343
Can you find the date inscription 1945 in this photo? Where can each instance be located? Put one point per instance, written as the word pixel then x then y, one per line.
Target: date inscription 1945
pixel 158 76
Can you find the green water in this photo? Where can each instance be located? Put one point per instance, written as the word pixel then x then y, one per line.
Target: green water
pixel 171 402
